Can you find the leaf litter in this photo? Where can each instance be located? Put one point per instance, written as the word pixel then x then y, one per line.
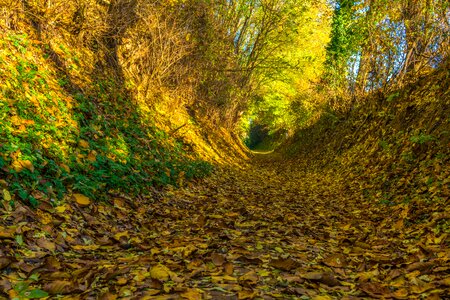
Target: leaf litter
pixel 266 231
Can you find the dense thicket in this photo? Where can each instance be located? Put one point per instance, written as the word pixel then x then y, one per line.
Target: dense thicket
pixel 380 46
pixel 372 46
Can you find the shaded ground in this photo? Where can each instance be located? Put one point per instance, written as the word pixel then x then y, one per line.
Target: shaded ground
pixel 267 231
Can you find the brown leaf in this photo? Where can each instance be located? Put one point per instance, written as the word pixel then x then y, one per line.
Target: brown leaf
pixel 5 285
pixel 60 287
pixel 217 259
pixel 249 278
pixel 108 296
pixel 421 266
pixel 287 264
pixel 375 289
pixel 229 268
pixel 4 262
pixel 336 261
pixel 323 277
pixel 292 278
pixel 46 244
pixel 151 292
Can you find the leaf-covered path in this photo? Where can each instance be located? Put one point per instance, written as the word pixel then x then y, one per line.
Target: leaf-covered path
pixel 269 230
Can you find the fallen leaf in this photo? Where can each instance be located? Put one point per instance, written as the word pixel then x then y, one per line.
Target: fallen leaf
pixel 61 209
pixel 219 279
pixel 229 268
pixel 108 296
pixel 249 278
pixel 246 294
pixel 279 249
pixel 59 287
pixel 34 294
pixel 375 289
pixel 400 294
pixel 81 199
pixel 160 272
pixel 85 247
pixel 444 282
pixel 287 264
pixel 4 262
pixel 192 294
pixel 322 297
pixel 46 244
pixel 323 277
pixel 336 261
pixel 123 234
pixel 6 195
pixel 217 259
pixel 7 233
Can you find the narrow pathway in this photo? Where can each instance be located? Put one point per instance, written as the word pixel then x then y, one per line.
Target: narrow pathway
pixel 267 231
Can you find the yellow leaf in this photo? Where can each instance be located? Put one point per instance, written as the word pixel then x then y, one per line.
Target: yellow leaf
pixel 246 295
pixel 401 293
pixel 19 165
pixel 6 195
pixel 279 250
pixel 192 294
pixel 60 209
pixel 160 272
pixel 92 156
pixel 319 297
pixel 7 232
pixel 219 279
pixel 264 273
pixel 85 247
pixel 81 199
pixel 83 144
pixel 117 236
pixel 65 167
pixel 249 277
pixel 148 294
pixel 27 165
pixel 445 282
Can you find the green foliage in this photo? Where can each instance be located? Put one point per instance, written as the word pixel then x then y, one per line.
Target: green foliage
pixel 343 35
pixel 422 138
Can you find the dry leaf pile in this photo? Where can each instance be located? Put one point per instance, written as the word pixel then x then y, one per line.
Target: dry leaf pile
pixel 268 231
